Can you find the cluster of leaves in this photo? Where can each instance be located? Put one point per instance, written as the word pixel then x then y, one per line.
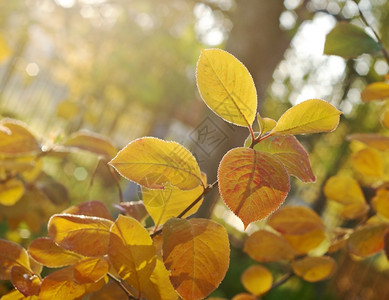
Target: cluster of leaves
pixel 179 256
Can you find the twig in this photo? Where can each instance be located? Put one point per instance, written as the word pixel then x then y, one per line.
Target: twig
pixel 282 280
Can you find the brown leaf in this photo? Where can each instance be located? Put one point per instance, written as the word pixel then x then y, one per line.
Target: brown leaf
pixel 25 281
pixel 11 254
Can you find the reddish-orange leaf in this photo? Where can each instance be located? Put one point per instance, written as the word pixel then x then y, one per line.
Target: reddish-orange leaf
pixel 90 269
pixel 91 208
pixel 25 281
pixel 257 280
pixel 265 246
pixel 11 254
pixel 295 220
pixel 244 296
pixel 375 91
pixel 291 153
pixel 88 236
pixel 135 209
pixel 131 252
pixel 367 240
pixel 60 285
pixel 196 251
pixel 49 254
pixel 16 139
pixel 253 184
pixel 92 142
pixel 377 141
pixel 314 269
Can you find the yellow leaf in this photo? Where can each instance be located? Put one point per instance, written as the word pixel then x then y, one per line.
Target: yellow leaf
pixel 300 226
pixel 25 281
pixel 310 116
pixel 377 141
pixel 110 291
pixel 375 91
pixel 11 192
pixel 60 285
pixel 385 119
pixel 90 269
pixel 16 295
pixel 131 252
pixel 343 189
pixel 314 269
pixel 227 87
pixel 67 110
pixel 354 210
pixel 367 240
pixel 257 280
pixel 49 254
pixel 291 153
pixel 18 140
pixel 265 246
pixel 169 202
pixel 5 52
pixel 244 296
pixel 381 203
pixel 253 184
pixel 92 142
pixel 71 231
pixel 196 251
pixel 368 162
pixel 11 254
pixel 265 124
pixel 159 286
pixel 155 163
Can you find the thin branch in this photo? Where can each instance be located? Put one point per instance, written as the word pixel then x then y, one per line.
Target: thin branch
pixel 282 280
pixel 180 215
pixel 385 53
pixel 122 286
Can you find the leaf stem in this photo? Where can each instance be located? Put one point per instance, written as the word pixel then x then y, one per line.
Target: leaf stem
pixel 252 134
pixel 190 206
pixel 282 280
pixel 384 52
pixel 122 286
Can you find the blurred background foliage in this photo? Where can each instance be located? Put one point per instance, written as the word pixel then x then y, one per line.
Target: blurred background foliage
pixel 126 69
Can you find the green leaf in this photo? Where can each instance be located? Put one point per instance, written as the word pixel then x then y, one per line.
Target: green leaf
pixel 227 87
pixel 349 41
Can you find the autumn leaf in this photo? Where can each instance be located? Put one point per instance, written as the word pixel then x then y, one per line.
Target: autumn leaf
pixel 368 162
pixel 16 295
pixel 11 191
pixel 343 189
pixel 291 153
pixel 11 254
pixel 367 240
pixel 90 208
pixel 71 231
pixel 61 285
pixel 92 142
pixel 380 203
pixel 110 291
pixel 375 91
pixel 227 87
pixel 349 41
pixel 25 281
pixel 49 254
pixel 244 296
pixel 90 269
pixel 377 141
pixel 265 246
pixel 155 163
pixel 311 116
pixel 253 184
pixel 257 280
pixel 134 209
pixel 5 51
pixel 17 140
pixel 196 252
pixel 313 269
pixel 131 252
pixel 265 124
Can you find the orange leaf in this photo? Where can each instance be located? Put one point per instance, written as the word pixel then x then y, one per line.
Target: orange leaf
pixel 25 281
pixel 110 291
pixel 343 189
pixel 196 251
pixel 131 252
pixel 368 162
pixel 16 139
pixel 135 209
pixel 11 254
pixel 92 142
pixel 367 240
pixel 265 246
pixel 354 210
pixel 377 141
pixel 49 254
pixel 91 208
pixel 60 285
pixel 314 269
pixel 253 184
pixel 257 280
pixel 90 269
pixel 88 236
pixel 16 295
pixel 375 91
pixel 291 153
